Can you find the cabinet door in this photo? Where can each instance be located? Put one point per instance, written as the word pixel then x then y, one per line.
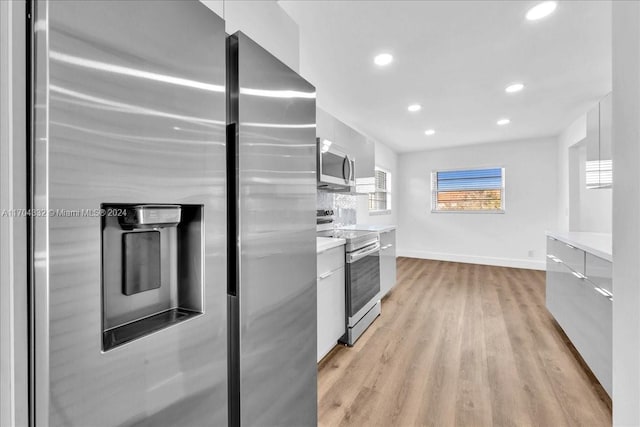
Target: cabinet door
pixel 606 119
pixel 325 125
pixel 561 296
pixel 599 142
pixel 387 261
pixel 593 138
pixel 365 168
pixel 331 310
pixel 606 135
pixel 599 271
pixel 597 324
pixel 359 147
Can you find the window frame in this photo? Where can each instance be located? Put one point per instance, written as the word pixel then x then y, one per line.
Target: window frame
pixel 434 191
pixel 388 191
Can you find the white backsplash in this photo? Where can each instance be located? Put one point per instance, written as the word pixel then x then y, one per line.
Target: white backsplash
pixel 343 205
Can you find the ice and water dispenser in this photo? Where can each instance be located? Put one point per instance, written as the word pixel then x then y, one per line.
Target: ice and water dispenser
pixel 151 269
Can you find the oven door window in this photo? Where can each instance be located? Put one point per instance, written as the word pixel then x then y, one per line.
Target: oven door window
pixel 364 282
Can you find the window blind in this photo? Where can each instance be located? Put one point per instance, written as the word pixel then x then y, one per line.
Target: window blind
pixel 599 173
pixel 380 199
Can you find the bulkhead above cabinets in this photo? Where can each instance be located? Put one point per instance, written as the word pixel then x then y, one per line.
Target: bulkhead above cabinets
pixel 599 167
pixel 361 149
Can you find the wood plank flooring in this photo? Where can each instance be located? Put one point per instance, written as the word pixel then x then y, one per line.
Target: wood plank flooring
pixel 461 345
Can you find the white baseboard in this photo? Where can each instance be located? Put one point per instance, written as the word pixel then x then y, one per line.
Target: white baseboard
pixel 476 259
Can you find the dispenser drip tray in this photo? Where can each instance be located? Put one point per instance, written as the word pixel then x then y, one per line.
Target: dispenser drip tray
pixel 122 334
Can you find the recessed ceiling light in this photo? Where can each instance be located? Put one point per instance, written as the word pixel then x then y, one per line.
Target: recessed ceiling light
pixel 503 122
pixel 541 10
pixel 514 87
pixel 429 132
pixel 383 59
pixel 414 107
pixel 176 128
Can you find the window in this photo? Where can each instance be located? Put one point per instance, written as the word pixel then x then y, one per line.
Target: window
pixel 599 173
pixel 380 197
pixel 468 190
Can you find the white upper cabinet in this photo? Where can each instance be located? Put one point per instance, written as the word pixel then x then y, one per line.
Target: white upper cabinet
pixel 599 140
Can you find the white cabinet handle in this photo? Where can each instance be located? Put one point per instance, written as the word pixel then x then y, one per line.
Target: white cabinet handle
pixel 325 275
pixel 578 275
pixel 569 246
pixel 605 293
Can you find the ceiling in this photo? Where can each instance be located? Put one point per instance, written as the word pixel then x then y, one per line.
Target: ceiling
pixel 455 58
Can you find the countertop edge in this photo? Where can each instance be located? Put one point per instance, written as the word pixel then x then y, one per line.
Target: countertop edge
pixel 572 239
pixel 365 227
pixel 328 243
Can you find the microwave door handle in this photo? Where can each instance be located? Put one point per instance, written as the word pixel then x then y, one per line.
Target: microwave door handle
pixel 351 171
pixel 344 161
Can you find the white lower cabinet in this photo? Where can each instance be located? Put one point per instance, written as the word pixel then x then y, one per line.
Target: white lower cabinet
pixel 387 261
pixel 583 308
pixel 331 299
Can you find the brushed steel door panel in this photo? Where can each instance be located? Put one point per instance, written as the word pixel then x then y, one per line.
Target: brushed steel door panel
pixel 129 108
pixel 276 154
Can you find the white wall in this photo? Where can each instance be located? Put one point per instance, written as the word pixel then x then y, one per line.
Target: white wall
pixel 495 239
pixel 575 132
pixel 626 215
pixel 579 209
pixel 386 159
pixel 265 22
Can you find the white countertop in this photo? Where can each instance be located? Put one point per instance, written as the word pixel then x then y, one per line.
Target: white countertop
pixel 365 227
pixel 326 243
pixel 598 244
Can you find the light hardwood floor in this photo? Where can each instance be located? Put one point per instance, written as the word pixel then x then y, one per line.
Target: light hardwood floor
pixel 461 345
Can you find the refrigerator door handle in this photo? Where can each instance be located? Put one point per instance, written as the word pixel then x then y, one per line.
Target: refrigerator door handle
pixel 232 210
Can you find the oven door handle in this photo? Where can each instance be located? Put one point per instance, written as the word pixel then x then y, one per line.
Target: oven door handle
pixel 358 255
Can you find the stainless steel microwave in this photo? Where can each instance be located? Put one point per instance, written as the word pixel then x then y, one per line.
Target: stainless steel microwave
pixel 336 169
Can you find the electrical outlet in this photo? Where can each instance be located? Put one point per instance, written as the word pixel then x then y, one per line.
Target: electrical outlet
pixel 531 253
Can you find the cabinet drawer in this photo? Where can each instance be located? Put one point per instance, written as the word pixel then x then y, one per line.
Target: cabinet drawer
pixel 597 316
pixel 330 260
pixel 571 256
pixel 599 271
pixel 388 241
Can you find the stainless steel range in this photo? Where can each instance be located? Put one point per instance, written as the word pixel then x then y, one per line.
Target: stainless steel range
pixel 362 278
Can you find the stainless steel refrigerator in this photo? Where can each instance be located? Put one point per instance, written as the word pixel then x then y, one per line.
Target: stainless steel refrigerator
pixel 172 274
